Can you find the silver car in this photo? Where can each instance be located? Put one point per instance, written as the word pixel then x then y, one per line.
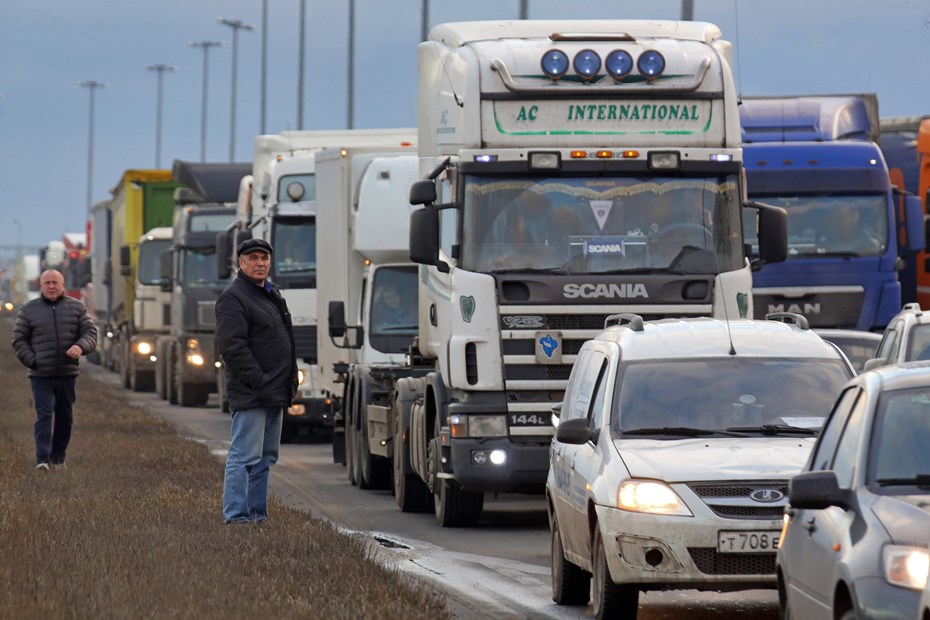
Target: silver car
pixel 854 542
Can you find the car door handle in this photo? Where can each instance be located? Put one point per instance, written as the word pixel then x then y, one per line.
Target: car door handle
pixel 809 526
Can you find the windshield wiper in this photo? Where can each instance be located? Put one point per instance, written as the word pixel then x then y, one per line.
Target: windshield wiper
pixel 920 480
pixel 772 430
pixel 834 254
pixel 295 268
pixel 528 270
pixel 391 328
pixel 683 431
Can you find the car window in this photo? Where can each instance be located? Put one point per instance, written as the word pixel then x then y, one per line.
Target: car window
pixel 581 405
pixel 844 463
pixel 901 447
pixel 826 444
pixel 719 393
pixel 918 343
pixel 573 381
pixel 889 344
pixel 595 413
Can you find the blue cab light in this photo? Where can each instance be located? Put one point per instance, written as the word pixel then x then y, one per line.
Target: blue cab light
pixel 651 64
pixel 587 63
pixel 554 64
pixel 484 159
pixel 618 64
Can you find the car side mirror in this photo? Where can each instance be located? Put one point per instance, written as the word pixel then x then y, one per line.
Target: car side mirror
pixel 816 490
pixel 875 362
pixel 576 431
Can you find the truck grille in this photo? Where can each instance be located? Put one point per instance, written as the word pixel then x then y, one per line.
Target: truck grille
pixel 305 341
pixel 206 315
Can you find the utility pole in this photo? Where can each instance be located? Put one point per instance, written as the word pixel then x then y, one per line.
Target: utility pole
pixel 687 10
pixel 236 26
pixel 160 69
pixel 424 21
pixel 264 65
pixel 300 64
pixel 92 86
pixel 524 9
pixel 205 45
pixel 351 94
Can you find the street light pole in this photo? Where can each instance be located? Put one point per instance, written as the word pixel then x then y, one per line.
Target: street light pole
pixel 236 26
pixel 92 86
pixel 264 64
pixel 300 65
pixel 205 45
pixel 350 97
pixel 160 69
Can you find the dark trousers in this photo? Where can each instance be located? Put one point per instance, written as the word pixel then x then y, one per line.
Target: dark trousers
pixel 54 397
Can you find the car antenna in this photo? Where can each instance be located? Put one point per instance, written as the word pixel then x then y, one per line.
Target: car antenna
pixel 726 313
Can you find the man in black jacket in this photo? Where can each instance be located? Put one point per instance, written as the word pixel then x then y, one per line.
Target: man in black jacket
pixel 50 335
pixel 256 339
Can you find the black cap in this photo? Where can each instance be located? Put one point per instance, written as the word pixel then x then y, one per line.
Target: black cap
pixel 253 245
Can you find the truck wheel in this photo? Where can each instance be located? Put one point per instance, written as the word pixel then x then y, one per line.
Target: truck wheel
pixel 221 389
pixel 189 394
pixel 171 387
pixel 123 361
pixel 161 389
pixel 351 446
pixel 411 493
pixel 455 507
pixel 373 470
pixel 610 599
pixel 141 380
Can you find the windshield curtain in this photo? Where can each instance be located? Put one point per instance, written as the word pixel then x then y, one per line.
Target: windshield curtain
pixel 830 225
pixel 718 394
pixel 211 222
pixel 149 267
pixel 294 257
pixel 394 308
pixel 601 224
pixel 200 268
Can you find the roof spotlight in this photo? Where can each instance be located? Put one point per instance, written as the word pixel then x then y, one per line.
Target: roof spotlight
pixel 554 64
pixel 618 64
pixel 587 63
pixel 651 64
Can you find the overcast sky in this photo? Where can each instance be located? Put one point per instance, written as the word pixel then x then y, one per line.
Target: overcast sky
pixel 48 47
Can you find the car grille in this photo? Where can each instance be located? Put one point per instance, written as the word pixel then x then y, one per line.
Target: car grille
pixel 709 562
pixel 732 500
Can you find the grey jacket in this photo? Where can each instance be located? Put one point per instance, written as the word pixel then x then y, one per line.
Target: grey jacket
pixel 45 330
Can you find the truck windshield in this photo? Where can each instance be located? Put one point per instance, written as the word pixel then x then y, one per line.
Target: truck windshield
pixel 601 224
pixel 394 309
pixel 829 225
pixel 148 268
pixel 294 257
pixel 199 268
pixel 721 394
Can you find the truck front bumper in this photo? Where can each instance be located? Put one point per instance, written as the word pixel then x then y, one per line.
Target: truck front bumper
pixel 523 468
pixel 316 412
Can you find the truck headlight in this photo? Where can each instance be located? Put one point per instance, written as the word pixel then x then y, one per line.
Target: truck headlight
pixel 478 426
pixel 906 566
pixel 652 497
pixel 143 347
pixel 300 377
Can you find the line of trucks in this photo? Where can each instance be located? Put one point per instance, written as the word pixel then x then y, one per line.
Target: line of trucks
pixel 436 334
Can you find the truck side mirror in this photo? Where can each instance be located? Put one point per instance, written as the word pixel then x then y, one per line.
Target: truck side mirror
pixel 164 271
pixel 915 226
pixel 423 192
pixel 336 319
pixel 223 254
pixel 124 260
pixel 773 233
pixel 424 236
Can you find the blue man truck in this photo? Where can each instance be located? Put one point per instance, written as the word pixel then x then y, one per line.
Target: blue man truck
pixel 818 158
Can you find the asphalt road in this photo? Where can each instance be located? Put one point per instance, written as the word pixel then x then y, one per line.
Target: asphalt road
pixel 498 569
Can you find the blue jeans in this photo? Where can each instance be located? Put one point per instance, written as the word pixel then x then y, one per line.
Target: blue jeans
pixel 54 398
pixel 256 436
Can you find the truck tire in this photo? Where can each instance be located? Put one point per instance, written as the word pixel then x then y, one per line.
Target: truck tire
pixel 161 379
pixel 141 380
pixel 350 434
pixel 171 386
pixel 123 362
pixel 410 491
pixel 221 389
pixel 189 394
pixel 454 507
pixel 374 471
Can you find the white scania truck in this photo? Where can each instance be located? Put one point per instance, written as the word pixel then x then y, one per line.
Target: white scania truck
pixel 278 204
pixel 573 170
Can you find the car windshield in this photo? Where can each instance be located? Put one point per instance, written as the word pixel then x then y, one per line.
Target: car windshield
pixel 918 343
pixel 900 452
pixel 764 396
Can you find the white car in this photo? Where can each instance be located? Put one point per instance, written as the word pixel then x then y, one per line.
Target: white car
pixel 905 339
pixel 675 443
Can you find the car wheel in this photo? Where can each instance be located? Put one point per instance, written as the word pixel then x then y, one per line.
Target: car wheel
pixel 610 599
pixel 570 584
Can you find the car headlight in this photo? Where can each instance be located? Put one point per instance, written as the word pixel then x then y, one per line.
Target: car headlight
pixel 906 566
pixel 652 497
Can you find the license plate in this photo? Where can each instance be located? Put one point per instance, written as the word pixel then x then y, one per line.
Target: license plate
pixel 748 541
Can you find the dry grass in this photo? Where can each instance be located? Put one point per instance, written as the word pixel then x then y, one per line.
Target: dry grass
pixel 133 529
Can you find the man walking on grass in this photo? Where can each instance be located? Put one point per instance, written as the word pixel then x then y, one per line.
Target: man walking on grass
pixel 255 337
pixel 50 335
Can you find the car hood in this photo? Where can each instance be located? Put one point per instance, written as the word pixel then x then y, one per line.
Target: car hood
pixel 906 517
pixel 728 458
